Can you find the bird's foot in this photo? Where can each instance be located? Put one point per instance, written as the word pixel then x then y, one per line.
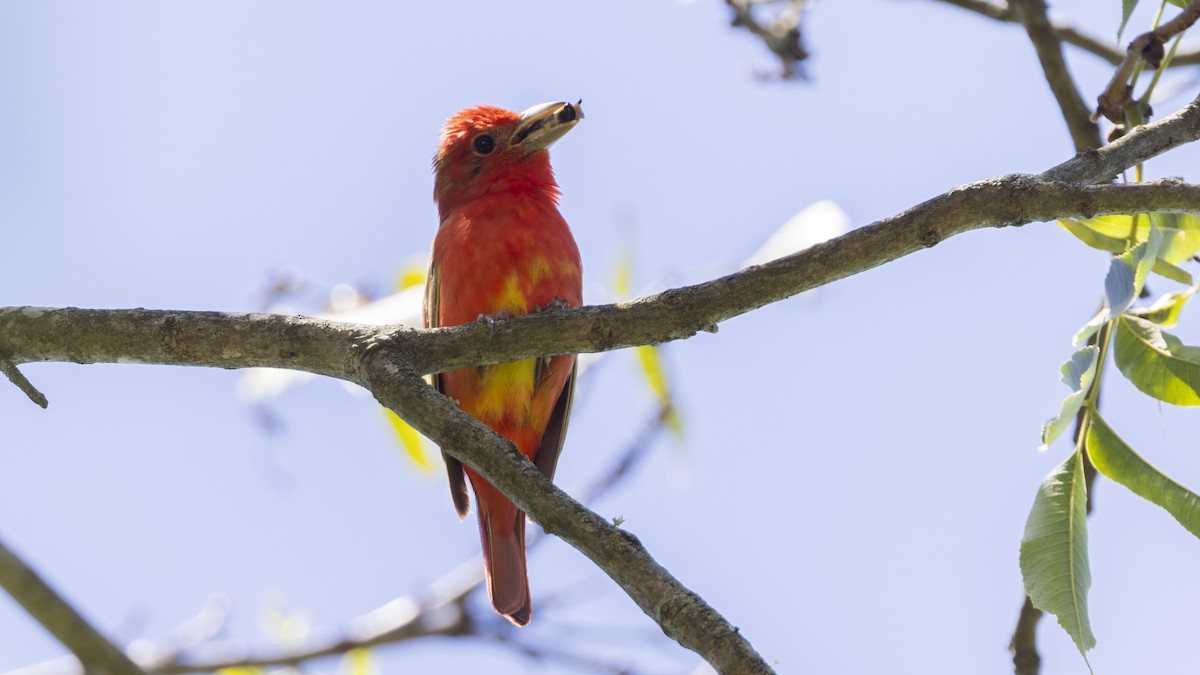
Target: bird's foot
pixel 490 321
pixel 556 303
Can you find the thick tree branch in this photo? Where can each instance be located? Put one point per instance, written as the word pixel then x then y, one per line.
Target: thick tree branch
pixel 1068 34
pixel 232 340
pixel 388 362
pixel 682 614
pixel 94 651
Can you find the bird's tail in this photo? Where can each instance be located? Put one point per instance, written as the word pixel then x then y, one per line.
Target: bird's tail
pixel 502 529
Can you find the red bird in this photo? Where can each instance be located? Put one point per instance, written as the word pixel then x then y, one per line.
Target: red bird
pixel 503 250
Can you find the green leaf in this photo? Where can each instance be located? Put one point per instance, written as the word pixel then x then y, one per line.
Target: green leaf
pixel 1181 235
pixel 1091 327
pixel 1119 290
pixel 1054 560
pixel 1127 7
pixel 1089 232
pixel 1127 272
pixel 1143 256
pixel 1179 3
pixel 1119 462
pixel 1156 362
pixel 1077 373
pixel 1165 311
pixel 1166 269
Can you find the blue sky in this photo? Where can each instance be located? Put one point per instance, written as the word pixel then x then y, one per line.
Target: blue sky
pixel 857 465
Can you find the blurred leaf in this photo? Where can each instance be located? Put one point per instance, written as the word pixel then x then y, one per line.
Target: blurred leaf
pixel 1119 462
pixel 1179 3
pixel 287 628
pixel 650 359
pixel 1127 272
pixel 358 662
pixel 411 275
pixel 1165 311
pixel 624 277
pixel 1054 559
pixel 816 223
pixel 1156 362
pixel 411 440
pixel 648 356
pixel 1077 373
pixel 240 670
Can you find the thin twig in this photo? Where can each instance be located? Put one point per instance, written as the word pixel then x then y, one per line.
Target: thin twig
pixel 94 651
pixel 781 34
pixel 1118 95
pixel 18 378
pixel 1046 41
pixel 1068 34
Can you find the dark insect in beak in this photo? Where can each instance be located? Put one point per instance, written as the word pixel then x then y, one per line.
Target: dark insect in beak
pixel 567 114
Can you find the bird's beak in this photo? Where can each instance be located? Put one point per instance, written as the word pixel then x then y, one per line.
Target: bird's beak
pixel 543 124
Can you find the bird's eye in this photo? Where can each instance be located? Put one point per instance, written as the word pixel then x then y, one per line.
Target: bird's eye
pixel 483 144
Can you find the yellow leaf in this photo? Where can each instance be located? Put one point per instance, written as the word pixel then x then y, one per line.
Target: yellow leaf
pixel 412 275
pixel 358 662
pixel 411 440
pixel 624 274
pixel 651 362
pixel 652 367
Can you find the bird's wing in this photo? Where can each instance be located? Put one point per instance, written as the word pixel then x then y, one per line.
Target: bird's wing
pixel 454 468
pixel 556 429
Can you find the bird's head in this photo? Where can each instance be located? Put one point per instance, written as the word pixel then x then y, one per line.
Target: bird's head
pixel 486 149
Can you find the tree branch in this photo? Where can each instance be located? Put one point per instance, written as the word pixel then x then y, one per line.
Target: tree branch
pixel 94 651
pixel 1118 95
pixel 232 340
pixel 781 35
pixel 388 362
pixel 15 376
pixel 1048 45
pixel 1068 34
pixel 441 609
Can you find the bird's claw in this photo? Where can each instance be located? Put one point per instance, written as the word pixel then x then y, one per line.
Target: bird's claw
pixel 555 303
pixel 490 321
